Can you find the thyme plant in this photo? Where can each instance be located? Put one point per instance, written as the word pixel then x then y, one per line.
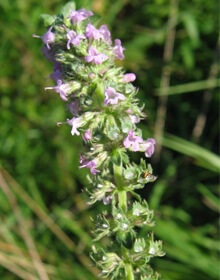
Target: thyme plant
pixel 104 111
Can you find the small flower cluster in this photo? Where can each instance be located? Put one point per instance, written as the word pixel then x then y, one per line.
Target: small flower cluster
pixel 104 111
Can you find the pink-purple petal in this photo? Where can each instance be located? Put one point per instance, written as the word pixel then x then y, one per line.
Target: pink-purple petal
pixel 95 57
pixel 132 140
pixel 118 49
pixel 112 97
pixel 80 15
pixel 129 77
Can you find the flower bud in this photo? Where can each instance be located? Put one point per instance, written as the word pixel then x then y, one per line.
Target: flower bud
pixel 127 78
pixel 139 245
pixel 87 135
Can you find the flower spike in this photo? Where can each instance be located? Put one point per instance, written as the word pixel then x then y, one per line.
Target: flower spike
pixel 104 112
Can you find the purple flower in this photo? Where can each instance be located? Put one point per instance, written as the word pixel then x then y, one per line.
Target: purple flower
pixel 130 77
pixel 75 123
pixel 56 75
pixel 118 49
pixel 47 38
pixel 95 57
pixel 91 75
pixel 73 107
pixel 87 135
pixel 106 35
pixel 91 165
pixel 80 15
pixel 148 147
pixel 112 97
pixel 57 66
pixel 61 88
pixel 132 140
pixel 92 32
pixel 134 119
pixel 73 38
pixel 47 53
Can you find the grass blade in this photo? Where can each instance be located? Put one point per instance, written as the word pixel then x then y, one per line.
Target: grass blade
pixel 188 88
pixel 202 156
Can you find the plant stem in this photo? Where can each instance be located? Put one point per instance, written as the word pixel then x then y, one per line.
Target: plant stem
pixel 122 201
pixel 122 194
pixel 129 271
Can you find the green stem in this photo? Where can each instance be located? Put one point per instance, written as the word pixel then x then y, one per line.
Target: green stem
pixel 122 194
pixel 100 94
pixel 129 271
pixel 122 201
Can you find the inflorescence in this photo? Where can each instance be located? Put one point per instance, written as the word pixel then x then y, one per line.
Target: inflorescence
pixel 104 112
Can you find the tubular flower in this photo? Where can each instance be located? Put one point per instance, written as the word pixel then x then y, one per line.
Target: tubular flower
pixel 95 57
pixel 92 32
pixel 61 88
pixel 118 50
pixel 106 34
pixel 148 147
pixel 129 77
pixel 80 15
pixel 132 140
pixel 112 97
pixel 47 38
pixel 75 123
pixel 73 107
pixel 91 165
pixel 73 38
pixel 47 53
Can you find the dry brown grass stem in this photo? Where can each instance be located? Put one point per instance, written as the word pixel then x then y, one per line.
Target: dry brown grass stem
pixel 23 227
pixel 165 76
pixel 11 266
pixel 207 97
pixel 25 263
pixel 45 218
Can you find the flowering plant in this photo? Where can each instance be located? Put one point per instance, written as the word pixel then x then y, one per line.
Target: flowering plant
pixel 104 111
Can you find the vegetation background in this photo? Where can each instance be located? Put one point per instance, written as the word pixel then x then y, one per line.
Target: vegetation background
pixel 173 49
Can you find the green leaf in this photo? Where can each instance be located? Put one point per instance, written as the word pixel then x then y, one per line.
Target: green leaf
pixel 126 124
pixel 191 28
pixel 157 193
pixel 124 157
pixel 47 20
pixel 113 132
pixel 187 55
pixel 95 19
pixel 65 11
pixel 116 157
pixel 127 239
pixel 209 198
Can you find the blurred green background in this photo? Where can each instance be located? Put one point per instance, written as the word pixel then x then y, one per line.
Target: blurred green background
pixel 173 49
